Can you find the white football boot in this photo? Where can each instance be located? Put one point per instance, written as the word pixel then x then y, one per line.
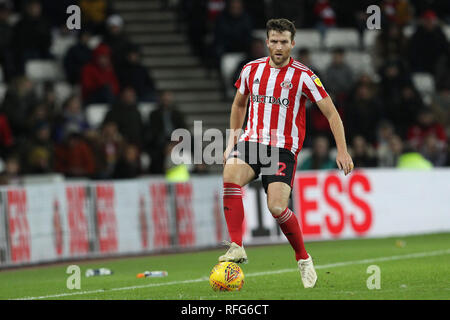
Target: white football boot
pixel 308 273
pixel 235 253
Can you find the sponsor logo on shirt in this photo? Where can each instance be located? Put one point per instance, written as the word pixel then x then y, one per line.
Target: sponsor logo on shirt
pixel 270 99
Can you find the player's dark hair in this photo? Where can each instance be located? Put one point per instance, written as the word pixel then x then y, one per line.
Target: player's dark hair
pixel 280 25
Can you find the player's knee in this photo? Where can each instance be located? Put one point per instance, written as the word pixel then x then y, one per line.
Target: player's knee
pixel 231 176
pixel 276 208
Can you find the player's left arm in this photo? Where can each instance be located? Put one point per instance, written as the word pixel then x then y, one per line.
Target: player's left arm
pixel 343 159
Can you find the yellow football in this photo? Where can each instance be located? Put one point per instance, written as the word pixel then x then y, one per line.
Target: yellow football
pixel 226 276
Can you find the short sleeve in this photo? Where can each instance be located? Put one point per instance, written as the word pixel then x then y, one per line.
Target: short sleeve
pixel 313 87
pixel 242 83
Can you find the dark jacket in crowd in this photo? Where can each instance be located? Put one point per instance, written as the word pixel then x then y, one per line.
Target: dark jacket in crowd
pixel 232 34
pixel 75 59
pixel 31 40
pixel 136 76
pixel 128 120
pixel 426 47
pixel 161 123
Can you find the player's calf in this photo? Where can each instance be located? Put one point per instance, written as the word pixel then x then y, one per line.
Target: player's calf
pixel 291 228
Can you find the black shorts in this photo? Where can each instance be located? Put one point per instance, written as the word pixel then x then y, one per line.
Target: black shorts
pixel 274 164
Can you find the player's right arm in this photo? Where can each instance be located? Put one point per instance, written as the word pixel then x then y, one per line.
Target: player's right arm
pixel 237 116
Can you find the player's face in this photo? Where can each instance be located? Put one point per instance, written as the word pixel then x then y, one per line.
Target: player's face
pixel 280 46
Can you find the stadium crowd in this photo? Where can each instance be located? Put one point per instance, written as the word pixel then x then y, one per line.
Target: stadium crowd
pixel 39 135
pixel 384 119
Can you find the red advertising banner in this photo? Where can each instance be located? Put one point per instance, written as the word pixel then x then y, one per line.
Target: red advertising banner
pixel 328 209
pixel 57 229
pixel 19 231
pixel 106 218
pixel 160 215
pixel 184 214
pixel 143 225
pixel 76 216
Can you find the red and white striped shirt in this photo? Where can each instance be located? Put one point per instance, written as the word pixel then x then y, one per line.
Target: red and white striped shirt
pixel 277 102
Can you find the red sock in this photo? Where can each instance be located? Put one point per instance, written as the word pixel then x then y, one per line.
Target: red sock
pixel 291 229
pixel 234 211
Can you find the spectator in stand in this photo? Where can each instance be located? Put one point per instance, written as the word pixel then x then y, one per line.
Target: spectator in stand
pixel 19 100
pixel 388 11
pixel 214 8
pixel 403 111
pixel 39 114
pixel 258 11
pixel 385 131
pixel 362 113
pixel 326 17
pixel 200 17
pixel 129 165
pixel 12 172
pixel 427 44
pixel 391 43
pixel 257 50
pixel 177 165
pixel 388 157
pixel 426 124
pixel 117 40
pixel 293 10
pixel 441 74
pixel 74 157
pixel 77 57
pixel 359 16
pixel 99 82
pixel 43 110
pixel 159 128
pixel 411 159
pixel 56 12
pixel 233 29
pixel 339 76
pixel 108 148
pixel 126 115
pixel 94 14
pixel 367 80
pixel 71 118
pixel 447 163
pixel 304 56
pixel 441 106
pixel 320 157
pixel 39 152
pixel 133 74
pixel 31 36
pixel 363 154
pixel 6 30
pixel 195 14
pixel 49 97
pixel 441 98
pixel 433 150
pixel 6 136
pixel 394 75
pixel 404 13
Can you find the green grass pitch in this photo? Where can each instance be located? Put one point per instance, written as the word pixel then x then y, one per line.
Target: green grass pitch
pixel 418 269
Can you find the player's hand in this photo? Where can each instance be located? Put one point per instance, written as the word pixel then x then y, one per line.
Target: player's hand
pixel 344 162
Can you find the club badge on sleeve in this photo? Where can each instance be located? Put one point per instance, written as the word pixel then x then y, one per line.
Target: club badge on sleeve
pixel 316 80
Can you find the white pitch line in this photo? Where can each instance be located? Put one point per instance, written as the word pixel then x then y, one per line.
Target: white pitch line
pixel 254 274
